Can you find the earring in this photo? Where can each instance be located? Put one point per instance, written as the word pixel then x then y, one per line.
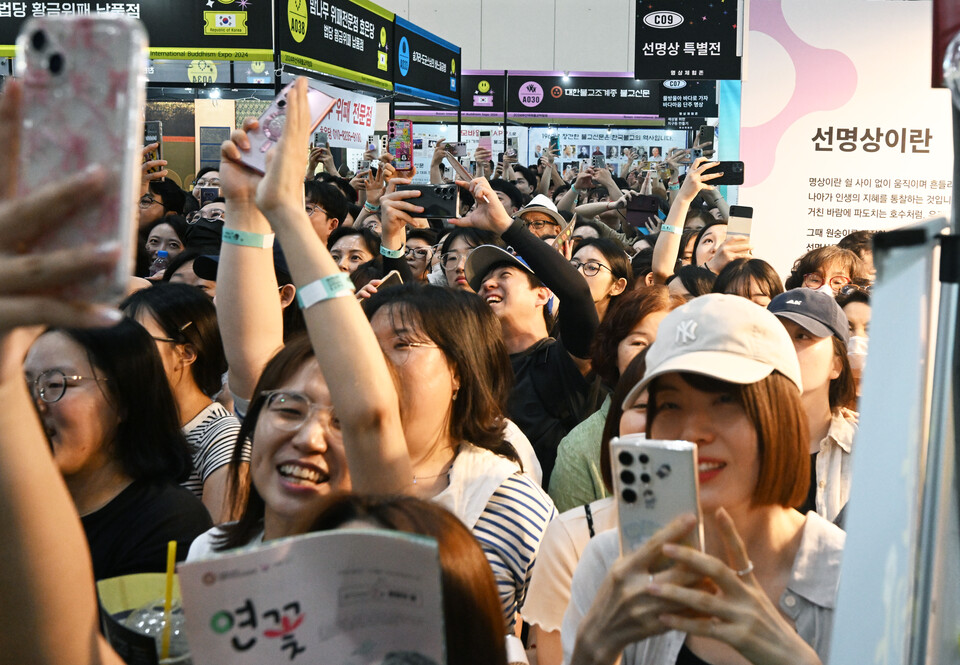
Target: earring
pixel 456 391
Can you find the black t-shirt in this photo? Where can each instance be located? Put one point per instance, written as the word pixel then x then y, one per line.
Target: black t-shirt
pixel 130 534
pixel 687 657
pixel 548 399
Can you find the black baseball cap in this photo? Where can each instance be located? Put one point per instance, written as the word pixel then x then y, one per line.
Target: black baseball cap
pixel 815 311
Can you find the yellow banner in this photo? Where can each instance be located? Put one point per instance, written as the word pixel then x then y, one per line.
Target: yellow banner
pixel 225 23
pixel 333 70
pixel 211 54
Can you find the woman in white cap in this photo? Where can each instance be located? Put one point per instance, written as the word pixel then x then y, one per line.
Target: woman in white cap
pixel 723 374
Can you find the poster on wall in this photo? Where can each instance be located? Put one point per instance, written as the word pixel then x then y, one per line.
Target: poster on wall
pixel 579 146
pixel 425 137
pixel 425 66
pixel 840 134
pixel 689 39
pixel 178 29
pixel 348 39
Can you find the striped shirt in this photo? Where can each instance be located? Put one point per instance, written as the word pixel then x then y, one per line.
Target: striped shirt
pixel 212 435
pixel 509 530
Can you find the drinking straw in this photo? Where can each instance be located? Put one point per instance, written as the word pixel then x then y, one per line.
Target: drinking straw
pixel 168 599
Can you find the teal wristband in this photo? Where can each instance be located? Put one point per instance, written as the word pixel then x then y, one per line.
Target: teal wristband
pixel 366 204
pixel 669 228
pixel 247 238
pixel 674 188
pixel 392 253
pixel 574 190
pixel 325 288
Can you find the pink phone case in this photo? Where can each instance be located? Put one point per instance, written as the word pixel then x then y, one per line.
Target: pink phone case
pixel 84 80
pixel 400 137
pixel 274 119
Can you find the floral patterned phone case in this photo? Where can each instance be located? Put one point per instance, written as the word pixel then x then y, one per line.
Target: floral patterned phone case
pixel 84 82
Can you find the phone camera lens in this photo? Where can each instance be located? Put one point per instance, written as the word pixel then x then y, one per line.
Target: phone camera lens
pixel 39 40
pixel 629 496
pixel 644 459
pixel 663 471
pixel 281 103
pixel 644 478
pixel 627 477
pixel 626 458
pixel 55 63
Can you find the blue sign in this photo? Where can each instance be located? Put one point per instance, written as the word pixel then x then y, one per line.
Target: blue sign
pixel 403 59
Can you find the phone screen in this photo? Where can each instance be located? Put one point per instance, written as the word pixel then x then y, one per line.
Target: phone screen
pixel 400 136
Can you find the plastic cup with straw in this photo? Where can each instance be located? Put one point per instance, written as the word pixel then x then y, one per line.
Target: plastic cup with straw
pixel 168 600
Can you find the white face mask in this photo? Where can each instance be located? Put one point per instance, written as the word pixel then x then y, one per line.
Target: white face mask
pixel 826 288
pixel 857 352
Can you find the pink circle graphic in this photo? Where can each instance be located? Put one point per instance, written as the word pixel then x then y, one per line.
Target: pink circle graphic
pixel 531 94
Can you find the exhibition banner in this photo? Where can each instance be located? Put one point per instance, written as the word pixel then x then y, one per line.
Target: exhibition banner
pixel 840 132
pixel 686 104
pixel 178 29
pixel 688 39
pixel 348 39
pixel 425 66
pixel 483 93
pixel 536 95
pixel 352 120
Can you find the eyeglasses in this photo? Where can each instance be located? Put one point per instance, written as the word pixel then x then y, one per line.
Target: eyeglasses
pixel 420 253
pixel 214 215
pixel 310 209
pixel 207 182
pixel 451 260
pixel 50 385
pixel 853 288
pixel 398 350
pixel 814 280
pixel 289 410
pixel 539 224
pixel 589 268
pixel 146 201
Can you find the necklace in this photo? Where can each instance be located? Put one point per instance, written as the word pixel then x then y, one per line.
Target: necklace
pixel 416 477
pixel 444 472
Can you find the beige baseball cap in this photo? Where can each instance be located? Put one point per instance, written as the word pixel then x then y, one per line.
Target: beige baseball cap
pixel 724 337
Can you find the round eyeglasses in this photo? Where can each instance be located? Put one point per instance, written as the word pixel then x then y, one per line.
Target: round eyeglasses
pixel 51 385
pixel 589 268
pixel 814 280
pixel 214 215
pixel 289 410
pixel 451 260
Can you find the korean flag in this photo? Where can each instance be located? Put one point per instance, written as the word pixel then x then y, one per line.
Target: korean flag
pixel 226 21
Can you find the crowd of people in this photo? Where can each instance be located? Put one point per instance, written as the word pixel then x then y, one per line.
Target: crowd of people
pixel 262 380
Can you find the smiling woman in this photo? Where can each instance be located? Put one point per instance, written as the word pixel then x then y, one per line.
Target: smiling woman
pixel 722 374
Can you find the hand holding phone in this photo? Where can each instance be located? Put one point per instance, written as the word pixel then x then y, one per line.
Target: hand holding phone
pixel 655 481
pixel 731 173
pixel 272 122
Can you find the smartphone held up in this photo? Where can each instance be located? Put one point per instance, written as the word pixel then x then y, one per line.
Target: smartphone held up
pixel 83 105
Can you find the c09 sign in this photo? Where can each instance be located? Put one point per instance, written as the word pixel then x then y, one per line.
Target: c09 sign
pixel 663 19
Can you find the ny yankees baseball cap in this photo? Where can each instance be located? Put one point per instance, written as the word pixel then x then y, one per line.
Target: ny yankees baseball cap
pixel 721 336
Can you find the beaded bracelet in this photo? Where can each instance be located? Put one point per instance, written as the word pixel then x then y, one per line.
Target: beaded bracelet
pixel 248 238
pixel 325 288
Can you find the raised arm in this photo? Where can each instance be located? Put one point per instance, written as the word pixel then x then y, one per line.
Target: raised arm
pixel 48 614
pixel 578 316
pixel 248 299
pixel 667 249
pixel 361 386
